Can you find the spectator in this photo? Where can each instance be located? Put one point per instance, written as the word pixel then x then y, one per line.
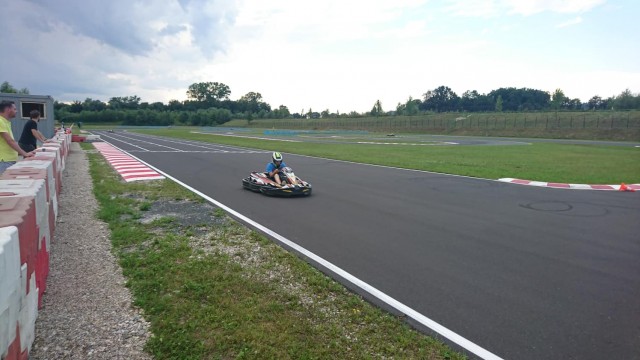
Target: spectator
pixel 30 133
pixel 9 148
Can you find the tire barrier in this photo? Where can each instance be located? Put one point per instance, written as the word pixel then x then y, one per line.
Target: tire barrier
pixel 29 194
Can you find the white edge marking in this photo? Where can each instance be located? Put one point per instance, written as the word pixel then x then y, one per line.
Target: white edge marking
pixel 571 186
pixel 245 137
pixel 418 317
pixel 581 186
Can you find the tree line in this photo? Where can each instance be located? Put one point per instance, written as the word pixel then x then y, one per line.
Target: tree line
pixel 443 99
pixel 208 104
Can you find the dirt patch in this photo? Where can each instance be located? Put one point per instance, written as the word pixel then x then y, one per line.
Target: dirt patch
pixel 184 213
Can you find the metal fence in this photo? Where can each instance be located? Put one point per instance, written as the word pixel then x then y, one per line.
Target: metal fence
pixel 549 121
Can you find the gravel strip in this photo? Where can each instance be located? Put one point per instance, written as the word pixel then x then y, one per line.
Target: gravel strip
pixel 87 312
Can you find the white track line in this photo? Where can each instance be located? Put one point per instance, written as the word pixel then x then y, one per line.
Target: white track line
pixel 144 141
pixel 246 137
pixel 214 147
pixel 413 314
pixel 141 148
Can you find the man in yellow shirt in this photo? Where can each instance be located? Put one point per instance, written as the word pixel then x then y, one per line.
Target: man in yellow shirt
pixel 9 148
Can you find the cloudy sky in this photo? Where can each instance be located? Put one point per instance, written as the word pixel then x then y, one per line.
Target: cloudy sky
pixel 340 55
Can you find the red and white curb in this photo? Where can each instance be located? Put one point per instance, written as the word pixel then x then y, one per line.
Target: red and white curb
pixel 129 168
pixel 621 187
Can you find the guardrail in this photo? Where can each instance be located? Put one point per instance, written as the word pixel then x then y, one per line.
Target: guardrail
pixel 29 194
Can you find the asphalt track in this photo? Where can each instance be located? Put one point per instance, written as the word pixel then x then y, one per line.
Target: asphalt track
pixel 523 272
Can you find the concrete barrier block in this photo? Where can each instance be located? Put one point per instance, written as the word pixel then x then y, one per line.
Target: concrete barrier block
pixel 14 173
pixel 64 142
pixel 52 222
pixel 40 165
pixel 13 352
pixel 20 212
pixel 9 261
pixel 36 189
pixel 57 171
pixel 28 312
pixel 53 148
pixel 9 287
pixel 29 187
pixel 52 155
pixel 42 271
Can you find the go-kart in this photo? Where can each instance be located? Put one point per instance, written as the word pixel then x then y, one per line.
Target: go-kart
pixel 291 184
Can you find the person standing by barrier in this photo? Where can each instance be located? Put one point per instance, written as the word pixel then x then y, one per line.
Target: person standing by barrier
pixel 9 148
pixel 30 133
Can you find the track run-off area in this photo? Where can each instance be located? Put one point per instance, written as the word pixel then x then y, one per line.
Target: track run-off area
pixel 498 269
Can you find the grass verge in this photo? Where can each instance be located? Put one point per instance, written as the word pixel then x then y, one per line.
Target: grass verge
pixel 586 164
pixel 213 289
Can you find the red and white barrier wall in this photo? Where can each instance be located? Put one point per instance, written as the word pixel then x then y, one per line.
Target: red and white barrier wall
pixel 29 192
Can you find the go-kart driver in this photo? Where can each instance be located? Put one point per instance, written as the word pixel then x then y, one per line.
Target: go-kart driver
pixel 275 167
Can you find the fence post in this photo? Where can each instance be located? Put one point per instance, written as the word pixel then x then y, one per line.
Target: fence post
pixel 598 122
pixel 546 125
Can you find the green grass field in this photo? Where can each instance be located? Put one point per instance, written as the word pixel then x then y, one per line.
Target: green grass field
pixel 582 164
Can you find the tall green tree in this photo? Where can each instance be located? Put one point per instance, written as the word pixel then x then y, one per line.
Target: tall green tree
pixel 596 103
pixel 124 102
pixel 5 87
pixel 174 105
pixel 252 102
pixel 208 91
pixel 281 112
pixel 90 104
pixel 440 99
pixel 411 107
pixel 377 109
pixel 499 103
pixel 626 101
pixel 520 99
pixel 558 99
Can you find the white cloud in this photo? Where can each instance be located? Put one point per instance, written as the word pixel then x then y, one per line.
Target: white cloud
pixel 129 26
pixel 571 22
pixel 474 8
pixel 494 8
pixel 530 7
pixel 84 49
pixel 336 55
